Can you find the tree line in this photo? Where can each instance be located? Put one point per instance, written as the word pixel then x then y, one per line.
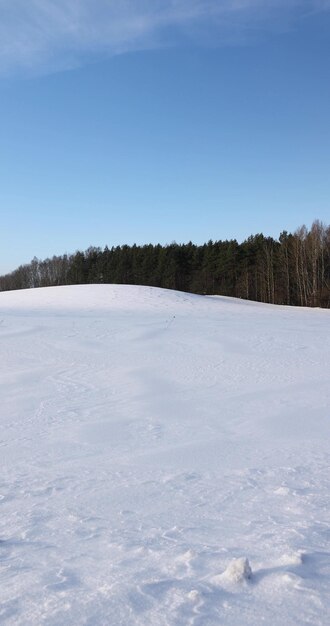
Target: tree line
pixel 293 269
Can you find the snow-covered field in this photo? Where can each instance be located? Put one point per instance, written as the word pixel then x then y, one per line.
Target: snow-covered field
pixel 149 438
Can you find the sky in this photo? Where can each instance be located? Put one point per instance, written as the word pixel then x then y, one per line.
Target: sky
pixel 137 121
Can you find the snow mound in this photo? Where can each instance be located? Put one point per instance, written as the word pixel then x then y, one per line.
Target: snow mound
pixel 282 491
pixel 237 571
pixel 293 558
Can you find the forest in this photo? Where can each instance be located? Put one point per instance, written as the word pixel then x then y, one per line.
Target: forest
pixel 292 270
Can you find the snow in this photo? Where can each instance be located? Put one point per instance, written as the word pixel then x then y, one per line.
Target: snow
pixel 156 447
pixel 238 571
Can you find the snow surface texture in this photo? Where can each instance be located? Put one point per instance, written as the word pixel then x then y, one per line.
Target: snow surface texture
pixel 165 460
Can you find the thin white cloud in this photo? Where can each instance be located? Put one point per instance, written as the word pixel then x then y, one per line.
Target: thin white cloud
pixel 46 35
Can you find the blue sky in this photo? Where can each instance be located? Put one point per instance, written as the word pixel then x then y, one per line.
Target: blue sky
pixel 155 121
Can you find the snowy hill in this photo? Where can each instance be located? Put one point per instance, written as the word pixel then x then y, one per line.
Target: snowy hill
pixel 165 459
